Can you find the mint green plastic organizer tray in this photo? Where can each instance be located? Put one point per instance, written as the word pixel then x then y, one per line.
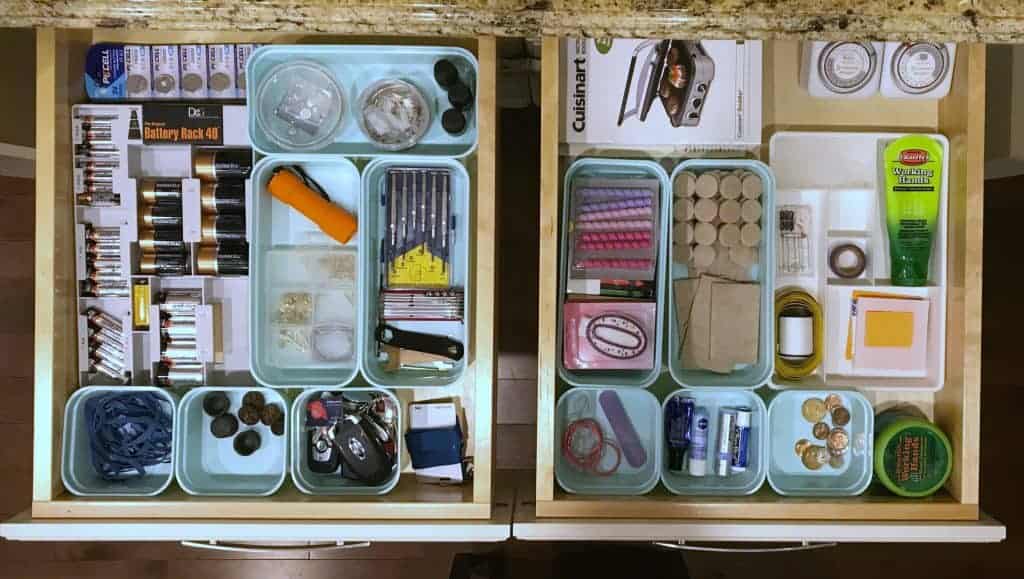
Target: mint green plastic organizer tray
pixel 356 67
pixel 753 375
pixel 287 254
pixel 76 470
pixel 314 483
pixel 209 466
pixel 373 219
pixel 616 169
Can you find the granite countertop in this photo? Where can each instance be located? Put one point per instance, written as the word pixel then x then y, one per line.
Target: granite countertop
pixel 977 20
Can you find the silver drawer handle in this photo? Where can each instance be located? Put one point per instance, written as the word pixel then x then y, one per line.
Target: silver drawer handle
pixel 803 546
pixel 246 548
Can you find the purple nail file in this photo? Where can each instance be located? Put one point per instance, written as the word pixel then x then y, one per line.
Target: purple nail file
pixel 630 443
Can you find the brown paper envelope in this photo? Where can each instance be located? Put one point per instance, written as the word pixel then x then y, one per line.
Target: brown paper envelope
pixel 698 331
pixel 685 291
pixel 735 311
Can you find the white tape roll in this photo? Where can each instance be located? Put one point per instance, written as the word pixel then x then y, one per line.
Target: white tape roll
pixel 796 336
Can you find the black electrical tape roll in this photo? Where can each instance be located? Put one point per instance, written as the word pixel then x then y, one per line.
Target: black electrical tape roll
pixel 850 272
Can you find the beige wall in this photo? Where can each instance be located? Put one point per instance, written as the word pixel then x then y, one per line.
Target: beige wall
pixel 18 90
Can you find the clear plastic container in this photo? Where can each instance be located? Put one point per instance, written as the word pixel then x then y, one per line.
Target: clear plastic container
pixel 616 169
pixel 393 114
pixel 644 413
pixel 748 376
pixel 210 466
pixel 357 67
pixel 304 286
pixel 372 225
pixel 314 483
pixel 77 472
pixel 787 425
pixel 299 106
pixel 737 483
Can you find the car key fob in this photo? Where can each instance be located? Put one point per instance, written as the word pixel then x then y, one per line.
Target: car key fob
pixel 623 427
pixel 323 455
pixel 362 452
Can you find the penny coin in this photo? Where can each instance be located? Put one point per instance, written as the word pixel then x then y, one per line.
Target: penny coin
pixel 801 446
pixel 813 409
pixel 838 440
pixel 833 401
pixel 820 431
pixel 836 461
pixel 815 457
pixel 840 416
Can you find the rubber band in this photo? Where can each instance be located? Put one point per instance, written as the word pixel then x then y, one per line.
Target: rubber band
pixel 128 432
pixel 589 460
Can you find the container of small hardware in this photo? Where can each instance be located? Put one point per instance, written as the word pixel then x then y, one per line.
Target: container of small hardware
pixel 231 441
pixel 396 108
pixel 731 425
pixel 821 443
pixel 615 219
pixel 119 441
pixel 721 260
pixel 322 463
pixel 610 441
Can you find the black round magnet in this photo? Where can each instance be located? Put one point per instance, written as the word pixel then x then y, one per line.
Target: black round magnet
pixel 453 122
pixel 247 442
pixel 460 96
pixel 445 73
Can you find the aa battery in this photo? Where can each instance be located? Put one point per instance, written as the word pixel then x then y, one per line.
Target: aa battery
pixel 105 367
pixel 740 439
pixel 104 276
pixel 99 199
pixel 161 215
pixel 223 229
pixel 179 374
pixel 723 458
pixel 178 328
pixel 221 164
pixel 222 197
pixel 103 320
pixel 96 250
pixel 223 260
pixel 100 290
pixel 176 352
pixel 156 191
pixel 163 264
pixel 107 350
pixel 163 240
pixel 103 233
pixel 96 163
pixel 104 335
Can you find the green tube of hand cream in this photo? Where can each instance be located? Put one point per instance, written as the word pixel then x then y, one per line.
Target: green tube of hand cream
pixel 913 181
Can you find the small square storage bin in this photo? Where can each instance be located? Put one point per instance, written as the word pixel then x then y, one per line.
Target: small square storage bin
pixel 314 483
pixel 733 205
pixel 612 174
pixel 304 286
pixel 379 266
pixel 744 481
pixel 311 97
pixel 211 466
pixel 78 466
pixel 794 420
pixel 600 453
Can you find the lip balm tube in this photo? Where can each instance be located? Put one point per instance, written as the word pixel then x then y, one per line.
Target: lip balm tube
pixel 698 459
pixel 726 422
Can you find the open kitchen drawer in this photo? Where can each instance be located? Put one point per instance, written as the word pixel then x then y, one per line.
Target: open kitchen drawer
pixel 950 515
pixel 411 510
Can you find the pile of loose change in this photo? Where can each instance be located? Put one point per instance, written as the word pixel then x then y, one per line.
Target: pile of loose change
pixel 254 410
pixel 829 419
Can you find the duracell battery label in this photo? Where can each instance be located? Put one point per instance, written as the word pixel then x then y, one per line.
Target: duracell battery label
pixel 193 124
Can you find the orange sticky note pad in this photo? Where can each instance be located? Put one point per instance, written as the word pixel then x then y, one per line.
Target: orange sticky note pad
pixel 889 329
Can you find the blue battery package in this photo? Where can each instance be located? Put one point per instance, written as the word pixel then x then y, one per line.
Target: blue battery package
pixel 106 73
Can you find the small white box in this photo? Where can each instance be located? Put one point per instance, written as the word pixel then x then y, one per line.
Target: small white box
pixel 193 71
pixel 917 70
pixel 221 62
pixel 662 94
pixel 845 70
pixel 139 69
pixel 166 72
pixel 242 54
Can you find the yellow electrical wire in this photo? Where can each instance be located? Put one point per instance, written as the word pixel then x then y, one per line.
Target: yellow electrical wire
pixel 797 302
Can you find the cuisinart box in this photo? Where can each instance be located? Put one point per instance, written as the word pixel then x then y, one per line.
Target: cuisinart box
pixel 662 94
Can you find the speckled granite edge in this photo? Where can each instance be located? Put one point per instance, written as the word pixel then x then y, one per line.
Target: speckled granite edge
pixel 961 20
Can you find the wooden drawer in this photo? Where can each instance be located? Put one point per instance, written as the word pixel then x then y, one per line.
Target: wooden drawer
pixel 955 408
pixel 61 55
